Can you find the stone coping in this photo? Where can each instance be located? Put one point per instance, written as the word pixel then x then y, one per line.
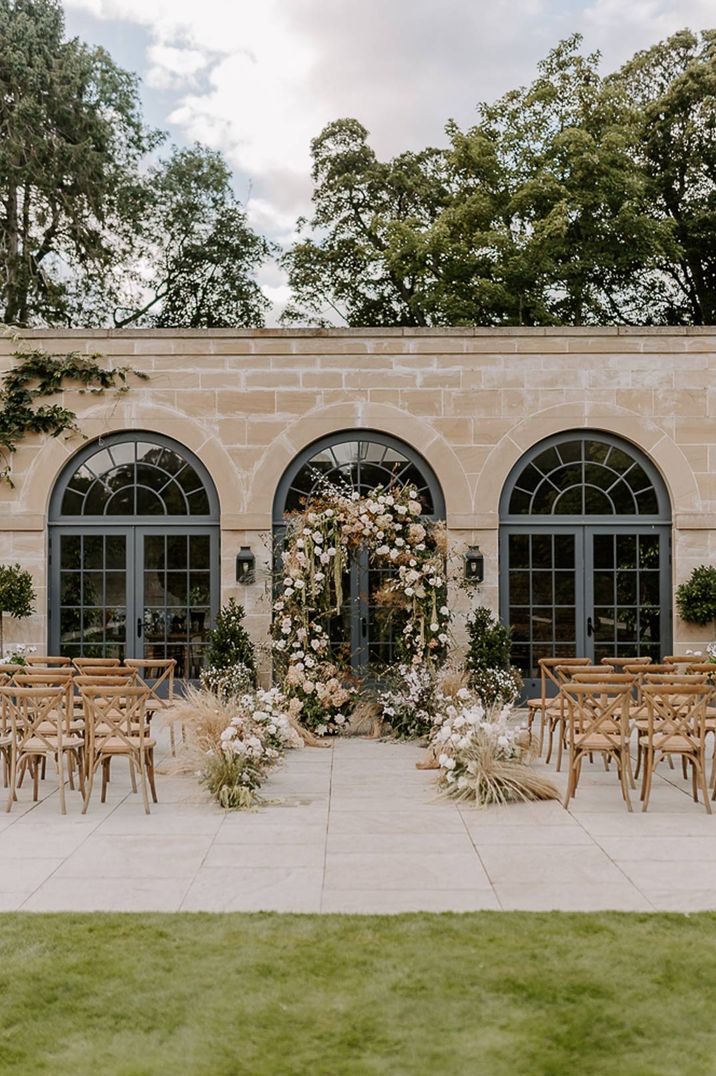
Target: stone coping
pixel 457 331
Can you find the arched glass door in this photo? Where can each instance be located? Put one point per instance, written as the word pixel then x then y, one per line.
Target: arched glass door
pixel 358 461
pixel 134 544
pixel 585 553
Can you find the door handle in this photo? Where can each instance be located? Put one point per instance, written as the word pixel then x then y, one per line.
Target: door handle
pixel 590 626
pixel 140 624
pixel 364 627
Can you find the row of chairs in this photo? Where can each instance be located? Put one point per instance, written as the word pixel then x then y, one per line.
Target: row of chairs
pixel 670 706
pixel 80 715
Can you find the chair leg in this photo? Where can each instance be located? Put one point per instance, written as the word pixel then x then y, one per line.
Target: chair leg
pixel 12 780
pixel 88 788
pixel 150 774
pixel 700 763
pixel 61 758
pixel 622 761
pixel 649 764
pixel 143 781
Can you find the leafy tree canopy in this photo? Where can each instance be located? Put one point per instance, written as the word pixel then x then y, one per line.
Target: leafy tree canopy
pixel 88 233
pixel 564 204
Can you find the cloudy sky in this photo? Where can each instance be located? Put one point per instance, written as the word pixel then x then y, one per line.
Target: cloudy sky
pixel 259 78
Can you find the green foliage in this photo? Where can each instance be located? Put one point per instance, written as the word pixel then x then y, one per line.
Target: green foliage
pixel 83 216
pixel 72 139
pixel 696 598
pixel 204 254
pixel 229 643
pixel 38 375
pixel 578 199
pixel 671 91
pixel 17 595
pixel 489 641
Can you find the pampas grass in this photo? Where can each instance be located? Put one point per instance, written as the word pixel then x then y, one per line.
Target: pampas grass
pixel 483 775
pixel 365 720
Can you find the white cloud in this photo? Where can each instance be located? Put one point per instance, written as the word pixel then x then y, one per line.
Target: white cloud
pixel 173 68
pixel 260 80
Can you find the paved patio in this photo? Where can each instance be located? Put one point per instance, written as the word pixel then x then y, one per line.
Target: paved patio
pixel 356 828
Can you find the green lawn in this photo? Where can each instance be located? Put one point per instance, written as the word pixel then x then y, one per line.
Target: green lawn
pixel 487 993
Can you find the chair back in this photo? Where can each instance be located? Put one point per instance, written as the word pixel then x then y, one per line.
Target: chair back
pixel 599 676
pixel 102 672
pixel 676 713
pixel 678 659
pixel 674 678
pixel 57 678
pixel 88 663
pixel 159 671
pixel 115 713
pixel 618 663
pixel 49 662
pixel 597 709
pixel 36 717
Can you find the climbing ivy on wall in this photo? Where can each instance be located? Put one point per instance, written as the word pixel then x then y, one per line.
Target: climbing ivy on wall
pixel 39 375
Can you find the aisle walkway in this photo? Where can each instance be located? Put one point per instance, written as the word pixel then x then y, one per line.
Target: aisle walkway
pixel 356 828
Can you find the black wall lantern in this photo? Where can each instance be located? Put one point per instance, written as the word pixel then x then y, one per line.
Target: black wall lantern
pixel 474 565
pixel 245 565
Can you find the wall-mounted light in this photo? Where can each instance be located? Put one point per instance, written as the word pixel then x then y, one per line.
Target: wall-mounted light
pixel 245 565
pixel 474 565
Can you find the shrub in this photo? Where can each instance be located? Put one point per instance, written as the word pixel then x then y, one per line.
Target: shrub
pixel 229 642
pixel 696 598
pixel 17 595
pixel 490 641
pixel 496 686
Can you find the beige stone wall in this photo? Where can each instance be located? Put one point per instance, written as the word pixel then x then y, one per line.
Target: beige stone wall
pixel 472 401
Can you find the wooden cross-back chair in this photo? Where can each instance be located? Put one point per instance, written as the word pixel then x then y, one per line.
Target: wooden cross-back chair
pixel 597 718
pixel 548 706
pixel 678 659
pixel 676 727
pixel 155 673
pixel 116 727
pixel 36 717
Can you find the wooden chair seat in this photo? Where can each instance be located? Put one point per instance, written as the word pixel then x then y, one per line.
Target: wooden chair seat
pixel 598 741
pixel 671 743
pixel 116 745
pixel 39 744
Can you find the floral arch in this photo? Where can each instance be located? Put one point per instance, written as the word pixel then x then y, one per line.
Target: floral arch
pixel 361 575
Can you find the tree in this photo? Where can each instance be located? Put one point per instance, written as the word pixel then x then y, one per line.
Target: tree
pixel 72 136
pixel 90 232
pixel 17 595
pixel 202 252
pixel 229 642
pixel 370 264
pixel 671 90
pixel 577 203
pixel 542 213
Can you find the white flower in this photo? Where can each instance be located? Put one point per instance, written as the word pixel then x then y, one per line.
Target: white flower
pixel 339 719
pixel 317 537
pixel 447 762
pixel 434 627
pixel 299 584
pixel 444 611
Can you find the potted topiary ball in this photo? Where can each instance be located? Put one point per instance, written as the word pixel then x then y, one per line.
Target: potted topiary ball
pixel 17 596
pixel 696 598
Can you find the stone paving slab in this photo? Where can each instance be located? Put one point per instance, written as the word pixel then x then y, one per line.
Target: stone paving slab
pixel 355 827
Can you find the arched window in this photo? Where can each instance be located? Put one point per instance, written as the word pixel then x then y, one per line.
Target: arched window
pixel 584 552
pixel 359 461
pixel 134 541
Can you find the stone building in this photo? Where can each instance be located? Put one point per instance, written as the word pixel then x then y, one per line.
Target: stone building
pixel 581 462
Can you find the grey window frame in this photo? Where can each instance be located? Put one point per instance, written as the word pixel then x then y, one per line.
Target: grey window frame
pixel 341 437
pixel 585 526
pixel 134 527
